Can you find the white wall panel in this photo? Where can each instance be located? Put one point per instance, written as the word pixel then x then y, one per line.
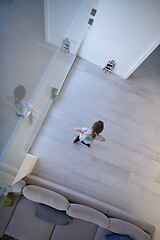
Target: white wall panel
pixel 126 31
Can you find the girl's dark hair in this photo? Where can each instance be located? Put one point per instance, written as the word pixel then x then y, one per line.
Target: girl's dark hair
pixel 19 93
pixel 97 128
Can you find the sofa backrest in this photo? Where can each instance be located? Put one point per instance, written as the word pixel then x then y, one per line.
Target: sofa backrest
pixel 80 198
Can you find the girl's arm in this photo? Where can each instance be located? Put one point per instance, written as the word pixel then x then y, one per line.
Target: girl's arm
pixel 100 138
pixel 78 129
pixel 33 109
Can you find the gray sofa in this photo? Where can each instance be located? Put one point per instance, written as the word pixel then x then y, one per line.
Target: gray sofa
pixel 48 211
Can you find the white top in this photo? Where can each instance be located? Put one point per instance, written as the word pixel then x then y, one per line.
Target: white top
pixel 86 136
pixel 23 108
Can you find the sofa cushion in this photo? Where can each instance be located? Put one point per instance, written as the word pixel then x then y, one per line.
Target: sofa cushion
pixel 45 196
pixel 88 214
pixel 6 214
pixel 52 215
pixel 129 229
pixel 76 230
pixel 24 225
pixel 129 217
pixel 102 233
pixel 117 237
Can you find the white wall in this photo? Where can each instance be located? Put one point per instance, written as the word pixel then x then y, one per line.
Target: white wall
pixel 59 15
pixel 67 18
pixel 126 31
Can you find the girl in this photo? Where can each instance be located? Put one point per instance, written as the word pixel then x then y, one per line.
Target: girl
pixel 88 136
pixel 23 108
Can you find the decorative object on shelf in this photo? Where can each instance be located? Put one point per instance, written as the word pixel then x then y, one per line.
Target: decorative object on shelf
pixel 66 44
pixel 109 67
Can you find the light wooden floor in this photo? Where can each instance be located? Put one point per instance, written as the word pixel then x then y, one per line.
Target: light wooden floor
pixel 125 170
pixel 24 55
